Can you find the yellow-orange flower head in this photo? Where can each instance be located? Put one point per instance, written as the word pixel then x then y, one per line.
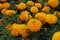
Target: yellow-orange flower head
pixel 1 6
pixel 53 3
pixel 34 9
pixel 14 28
pixel 1 21
pixel 38 5
pixel 23 30
pixel 10 12
pixel 3 11
pixel 20 28
pixel 3 0
pixel 41 16
pixel 14 32
pixel 24 16
pixel 6 5
pixel 21 6
pixel 8 27
pixel 34 25
pixel 51 19
pixel 46 9
pixel 30 3
pixel 58 14
pixel 56 36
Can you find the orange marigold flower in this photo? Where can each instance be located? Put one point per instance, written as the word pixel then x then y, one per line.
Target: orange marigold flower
pixel 51 19
pixel 21 6
pixel 24 16
pixel 41 16
pixel 34 10
pixel 3 0
pixel 1 21
pixel 56 36
pixel 38 5
pixel 30 3
pixel 6 5
pixel 53 3
pixel 34 25
pixel 21 28
pixel 3 11
pixel 10 12
pixel 15 26
pixel 46 9
pixel 14 32
pixel 1 6
pixel 8 27
pixel 24 34
pixel 15 29
pixel 58 14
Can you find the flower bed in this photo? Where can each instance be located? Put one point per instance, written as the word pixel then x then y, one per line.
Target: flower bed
pixel 29 19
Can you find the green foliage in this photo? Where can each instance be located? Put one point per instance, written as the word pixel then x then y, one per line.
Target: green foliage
pixel 43 2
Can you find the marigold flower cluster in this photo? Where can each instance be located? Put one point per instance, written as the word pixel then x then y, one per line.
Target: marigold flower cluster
pixel 30 17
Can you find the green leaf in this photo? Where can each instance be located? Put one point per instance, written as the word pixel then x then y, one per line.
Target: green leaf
pixel 4 31
pixel 24 1
pixel 43 2
pixel 2 38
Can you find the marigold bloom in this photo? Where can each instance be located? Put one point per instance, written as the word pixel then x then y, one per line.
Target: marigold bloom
pixel 10 12
pixel 14 32
pixel 8 27
pixel 1 6
pixel 25 34
pixel 56 36
pixel 6 5
pixel 38 5
pixel 21 6
pixel 15 26
pixel 1 21
pixel 15 29
pixel 34 10
pixel 3 0
pixel 30 3
pixel 51 19
pixel 46 9
pixel 53 3
pixel 41 16
pixel 34 25
pixel 58 14
pixel 24 16
pixel 3 11
pixel 21 28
